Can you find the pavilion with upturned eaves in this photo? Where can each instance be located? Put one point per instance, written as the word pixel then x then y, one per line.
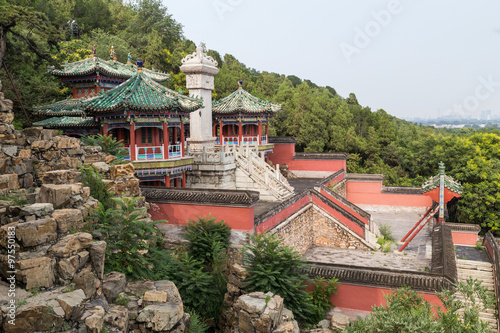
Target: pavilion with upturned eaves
pixel 243 119
pixel 91 75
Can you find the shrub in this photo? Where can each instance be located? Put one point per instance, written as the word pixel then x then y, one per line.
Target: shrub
pixel 98 188
pixel 197 323
pixel 407 311
pixel 133 244
pixel 320 297
pixel 108 143
pixel 198 272
pixel 204 235
pixel 276 268
pixel 201 290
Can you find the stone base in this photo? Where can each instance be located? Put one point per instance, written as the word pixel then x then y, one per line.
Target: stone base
pixel 197 144
pixel 212 175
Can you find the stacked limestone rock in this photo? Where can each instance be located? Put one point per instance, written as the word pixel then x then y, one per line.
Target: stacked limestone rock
pixel 59 269
pixel 255 312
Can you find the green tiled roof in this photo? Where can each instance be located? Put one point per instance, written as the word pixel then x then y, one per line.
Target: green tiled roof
pixel 66 107
pixel 243 101
pixel 142 94
pixel 61 122
pixel 449 183
pixel 110 68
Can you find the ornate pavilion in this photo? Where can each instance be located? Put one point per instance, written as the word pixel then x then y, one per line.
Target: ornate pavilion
pixel 241 118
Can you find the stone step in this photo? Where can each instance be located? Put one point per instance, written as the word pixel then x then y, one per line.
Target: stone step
pixel 472 263
pixel 470 270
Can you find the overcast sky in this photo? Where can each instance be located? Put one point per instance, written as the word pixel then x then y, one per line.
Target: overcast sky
pixel 411 58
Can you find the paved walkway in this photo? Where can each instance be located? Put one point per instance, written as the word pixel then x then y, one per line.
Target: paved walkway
pixel 400 223
pixel 359 258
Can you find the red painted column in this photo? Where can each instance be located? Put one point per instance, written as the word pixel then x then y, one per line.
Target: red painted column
pixel 132 142
pixel 221 137
pixel 183 180
pixel 259 133
pixel 182 139
pixel 167 181
pixel 165 140
pixel 104 129
pixel 240 133
pixel 213 129
pixel 267 131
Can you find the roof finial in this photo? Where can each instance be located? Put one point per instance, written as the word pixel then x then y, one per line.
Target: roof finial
pixel 441 168
pixel 93 51
pixel 129 58
pixel 240 84
pixel 139 64
pixel 112 54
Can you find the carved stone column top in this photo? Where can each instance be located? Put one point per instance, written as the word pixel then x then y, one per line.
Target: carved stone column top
pixel 199 63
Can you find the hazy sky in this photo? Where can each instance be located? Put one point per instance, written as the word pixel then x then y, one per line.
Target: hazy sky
pixel 412 58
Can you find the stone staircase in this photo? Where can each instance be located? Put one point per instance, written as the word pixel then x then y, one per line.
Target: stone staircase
pixel 253 173
pixel 482 271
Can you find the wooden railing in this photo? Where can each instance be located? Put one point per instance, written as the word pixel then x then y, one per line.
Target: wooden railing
pixel 149 153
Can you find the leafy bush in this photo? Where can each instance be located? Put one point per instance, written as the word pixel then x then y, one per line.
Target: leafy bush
pixel 197 323
pixel 320 298
pixel 98 188
pixel 109 144
pixel 276 268
pixel 407 311
pixel 133 244
pixel 206 237
pixel 198 272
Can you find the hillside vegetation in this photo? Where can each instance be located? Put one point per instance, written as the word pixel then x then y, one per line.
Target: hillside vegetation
pixel 35 34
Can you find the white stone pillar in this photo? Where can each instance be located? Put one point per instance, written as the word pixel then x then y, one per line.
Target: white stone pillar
pixel 200 70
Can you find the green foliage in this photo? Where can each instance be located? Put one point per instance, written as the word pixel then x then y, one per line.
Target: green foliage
pixel 98 189
pixel 122 299
pixel 197 323
pixel 108 143
pixel 276 268
pixel 320 296
pixel 18 198
pixel 133 243
pixel 69 288
pixel 205 237
pixel 198 272
pixel 407 311
pixel 386 231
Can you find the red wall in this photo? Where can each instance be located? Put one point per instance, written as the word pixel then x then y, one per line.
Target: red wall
pixel 283 153
pixel 238 218
pixel 370 193
pixel 339 217
pixel 363 298
pixel 275 219
pixel 326 194
pixel 463 238
pixel 317 165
